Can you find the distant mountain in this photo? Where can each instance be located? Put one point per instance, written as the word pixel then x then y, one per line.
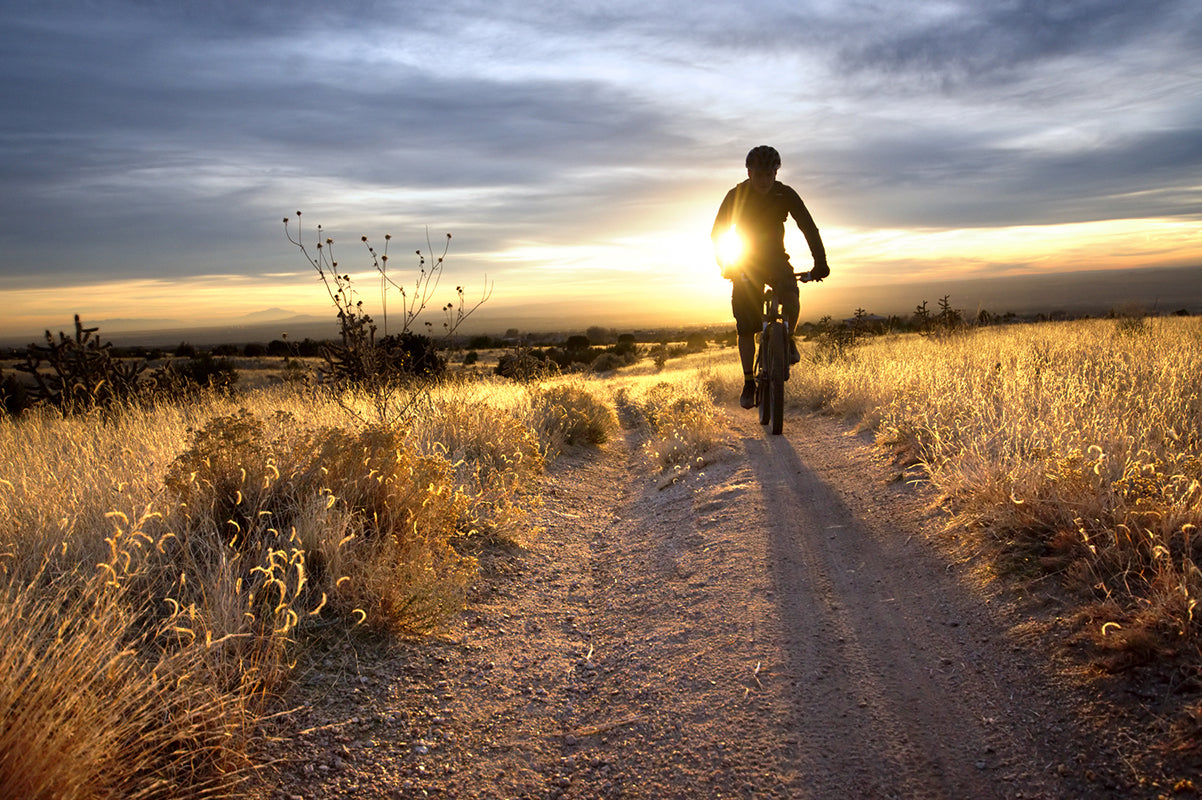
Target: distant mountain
pixel 268 315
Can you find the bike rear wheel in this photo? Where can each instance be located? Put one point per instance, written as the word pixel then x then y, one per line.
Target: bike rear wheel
pixel 777 349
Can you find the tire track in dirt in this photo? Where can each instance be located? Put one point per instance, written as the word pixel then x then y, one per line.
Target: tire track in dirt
pixel 892 690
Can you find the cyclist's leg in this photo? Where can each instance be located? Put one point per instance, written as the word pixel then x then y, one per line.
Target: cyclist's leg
pixel 747 352
pixel 745 300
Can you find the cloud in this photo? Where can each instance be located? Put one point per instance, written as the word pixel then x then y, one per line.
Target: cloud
pixel 966 45
pixel 159 139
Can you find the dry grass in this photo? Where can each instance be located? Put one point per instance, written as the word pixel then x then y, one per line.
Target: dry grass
pixel 676 408
pixel 160 567
pixel 570 413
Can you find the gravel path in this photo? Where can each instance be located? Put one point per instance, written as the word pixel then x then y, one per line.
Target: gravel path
pixel 778 624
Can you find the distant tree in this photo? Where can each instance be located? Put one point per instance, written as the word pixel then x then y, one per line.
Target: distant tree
pixel 626 344
pixel 600 335
pixel 308 348
pixel 185 350
pixel 254 350
pixel 577 343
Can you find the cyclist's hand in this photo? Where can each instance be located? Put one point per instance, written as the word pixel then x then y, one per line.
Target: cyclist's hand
pixel 819 272
pixel 730 273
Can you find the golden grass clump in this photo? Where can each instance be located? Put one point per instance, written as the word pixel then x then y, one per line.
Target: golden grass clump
pixel 373 519
pixel 677 409
pixel 107 694
pixel 482 429
pixel 568 414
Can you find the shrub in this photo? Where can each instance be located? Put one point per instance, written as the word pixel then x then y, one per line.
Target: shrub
pixel 525 365
pixel 608 362
pixel 207 372
pixel 833 342
pixel 414 354
pixel 373 518
pixel 358 361
pixel 683 420
pixel 182 379
pixel 569 415
pixel 495 456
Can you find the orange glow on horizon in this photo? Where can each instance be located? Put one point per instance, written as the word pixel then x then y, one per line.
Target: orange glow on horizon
pixel 655 275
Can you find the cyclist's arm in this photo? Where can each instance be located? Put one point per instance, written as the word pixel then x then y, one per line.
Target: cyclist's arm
pixel 722 224
pixel 723 220
pixel 805 222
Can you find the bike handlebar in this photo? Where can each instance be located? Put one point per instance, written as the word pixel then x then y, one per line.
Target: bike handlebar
pixel 800 277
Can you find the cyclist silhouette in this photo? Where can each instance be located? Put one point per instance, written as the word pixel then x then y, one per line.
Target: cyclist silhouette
pixel 756 210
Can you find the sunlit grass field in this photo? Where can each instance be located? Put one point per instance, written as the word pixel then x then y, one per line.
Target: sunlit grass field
pixel 162 568
pixel 1075 448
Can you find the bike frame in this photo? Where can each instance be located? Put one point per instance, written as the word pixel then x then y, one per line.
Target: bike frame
pixel 771 359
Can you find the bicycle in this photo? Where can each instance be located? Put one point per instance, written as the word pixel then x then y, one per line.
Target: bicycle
pixel 772 360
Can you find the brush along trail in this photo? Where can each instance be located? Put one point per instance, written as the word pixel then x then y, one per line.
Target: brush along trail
pixel 778 623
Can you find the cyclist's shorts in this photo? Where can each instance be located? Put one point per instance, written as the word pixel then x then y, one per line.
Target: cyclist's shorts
pixel 747 302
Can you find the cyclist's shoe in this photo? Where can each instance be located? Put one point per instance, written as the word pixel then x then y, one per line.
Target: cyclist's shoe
pixel 794 355
pixel 747 398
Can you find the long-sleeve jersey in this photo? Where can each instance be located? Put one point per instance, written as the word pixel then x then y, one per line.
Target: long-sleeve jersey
pixel 760 219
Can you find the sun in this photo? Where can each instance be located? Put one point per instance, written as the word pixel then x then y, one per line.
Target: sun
pixel 730 247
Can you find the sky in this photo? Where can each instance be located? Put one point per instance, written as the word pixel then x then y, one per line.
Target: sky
pixel 577 152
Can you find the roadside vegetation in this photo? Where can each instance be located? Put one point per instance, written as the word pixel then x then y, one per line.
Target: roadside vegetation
pixel 166 560
pixel 163 567
pixel 1069 450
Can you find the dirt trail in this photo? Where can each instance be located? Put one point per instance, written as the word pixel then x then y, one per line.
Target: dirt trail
pixel 775 625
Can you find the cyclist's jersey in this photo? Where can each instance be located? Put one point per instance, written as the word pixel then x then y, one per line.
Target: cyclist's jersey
pixel 760 219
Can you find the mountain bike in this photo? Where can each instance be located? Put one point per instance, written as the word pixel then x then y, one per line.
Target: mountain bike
pixel 772 360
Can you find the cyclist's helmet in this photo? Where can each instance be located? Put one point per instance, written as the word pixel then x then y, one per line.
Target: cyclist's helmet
pixel 763 157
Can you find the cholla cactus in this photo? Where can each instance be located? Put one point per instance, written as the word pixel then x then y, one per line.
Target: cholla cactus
pixel 79 373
